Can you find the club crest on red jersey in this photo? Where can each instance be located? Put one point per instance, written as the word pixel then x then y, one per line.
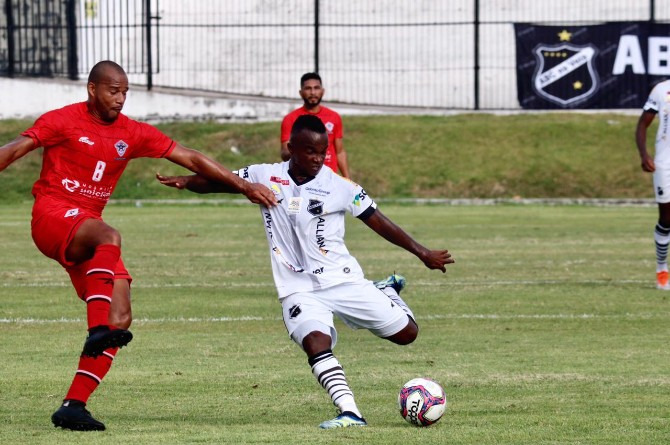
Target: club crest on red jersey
pixel 121 147
pixel 329 127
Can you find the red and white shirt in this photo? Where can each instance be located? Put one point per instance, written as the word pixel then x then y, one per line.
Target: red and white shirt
pixel 84 157
pixel 330 118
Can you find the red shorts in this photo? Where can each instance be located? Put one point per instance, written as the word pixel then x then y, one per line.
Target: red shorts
pixel 53 227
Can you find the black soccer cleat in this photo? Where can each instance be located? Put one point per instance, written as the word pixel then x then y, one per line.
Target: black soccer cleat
pixel 73 415
pixel 101 338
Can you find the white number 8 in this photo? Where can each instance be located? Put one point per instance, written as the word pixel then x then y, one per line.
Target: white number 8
pixel 99 170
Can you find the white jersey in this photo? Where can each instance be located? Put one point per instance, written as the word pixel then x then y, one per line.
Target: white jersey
pixel 305 231
pixel 659 102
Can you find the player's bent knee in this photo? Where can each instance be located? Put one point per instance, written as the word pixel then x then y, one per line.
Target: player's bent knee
pixel 112 237
pixel 407 335
pixel 316 342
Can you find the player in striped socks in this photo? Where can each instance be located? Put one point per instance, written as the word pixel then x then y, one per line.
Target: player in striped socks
pixel 315 276
pixel 659 165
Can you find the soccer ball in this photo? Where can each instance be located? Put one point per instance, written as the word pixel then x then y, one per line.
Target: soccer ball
pixel 422 402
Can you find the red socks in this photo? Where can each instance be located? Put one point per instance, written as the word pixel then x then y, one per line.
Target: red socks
pixel 98 298
pixel 100 283
pixel 89 374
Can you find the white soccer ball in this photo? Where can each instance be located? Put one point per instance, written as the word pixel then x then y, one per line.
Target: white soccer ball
pixel 422 401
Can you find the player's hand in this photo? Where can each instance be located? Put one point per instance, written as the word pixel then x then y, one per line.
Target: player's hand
pixel 647 163
pixel 178 182
pixel 259 194
pixel 437 259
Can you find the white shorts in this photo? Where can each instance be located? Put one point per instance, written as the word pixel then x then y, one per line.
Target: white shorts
pixel 662 184
pixel 359 305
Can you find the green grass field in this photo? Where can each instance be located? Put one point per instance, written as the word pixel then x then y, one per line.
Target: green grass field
pixel 547 330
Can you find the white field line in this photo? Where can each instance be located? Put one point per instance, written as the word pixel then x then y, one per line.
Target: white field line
pixel 414 283
pixel 596 202
pixel 627 316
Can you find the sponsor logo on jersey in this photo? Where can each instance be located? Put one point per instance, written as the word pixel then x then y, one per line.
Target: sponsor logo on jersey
pixel 294 311
pixel 346 270
pixel 93 191
pixel 275 189
pixel 86 140
pixel 329 127
pixel 318 271
pixel 320 239
pixel 294 205
pixel 359 198
pixel 315 207
pixel 121 147
pixel 268 223
pixel 245 173
pixel 71 213
pixel 279 180
pixel 318 192
pixel 70 184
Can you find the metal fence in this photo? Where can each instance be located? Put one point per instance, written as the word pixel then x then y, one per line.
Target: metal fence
pixel 453 54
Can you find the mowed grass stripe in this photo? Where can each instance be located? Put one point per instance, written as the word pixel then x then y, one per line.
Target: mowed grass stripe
pixel 647 316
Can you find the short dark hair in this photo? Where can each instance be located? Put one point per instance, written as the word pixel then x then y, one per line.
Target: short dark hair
pixel 308 122
pixel 99 70
pixel 309 76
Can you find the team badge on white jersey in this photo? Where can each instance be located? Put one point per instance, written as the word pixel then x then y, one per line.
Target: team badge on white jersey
pixel 315 207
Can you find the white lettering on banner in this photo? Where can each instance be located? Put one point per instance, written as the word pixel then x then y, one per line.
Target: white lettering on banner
pixel 629 53
pixel 566 67
pixel 659 56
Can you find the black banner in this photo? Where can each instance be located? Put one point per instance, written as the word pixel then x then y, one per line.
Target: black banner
pixel 613 65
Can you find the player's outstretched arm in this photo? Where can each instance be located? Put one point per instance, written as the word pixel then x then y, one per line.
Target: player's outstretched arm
pixel 646 161
pixel 14 150
pixel 214 172
pixel 387 229
pixel 194 183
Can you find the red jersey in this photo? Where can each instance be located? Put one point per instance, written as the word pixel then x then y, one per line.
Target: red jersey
pixel 84 157
pixel 330 118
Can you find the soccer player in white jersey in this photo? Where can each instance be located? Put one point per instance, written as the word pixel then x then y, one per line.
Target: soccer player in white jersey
pixel 658 103
pixel 313 271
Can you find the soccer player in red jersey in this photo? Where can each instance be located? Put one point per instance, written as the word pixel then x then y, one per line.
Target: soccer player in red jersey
pixel 312 92
pixel 87 146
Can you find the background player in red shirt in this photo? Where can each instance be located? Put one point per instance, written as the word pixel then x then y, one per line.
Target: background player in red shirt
pixel 312 92
pixel 87 146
